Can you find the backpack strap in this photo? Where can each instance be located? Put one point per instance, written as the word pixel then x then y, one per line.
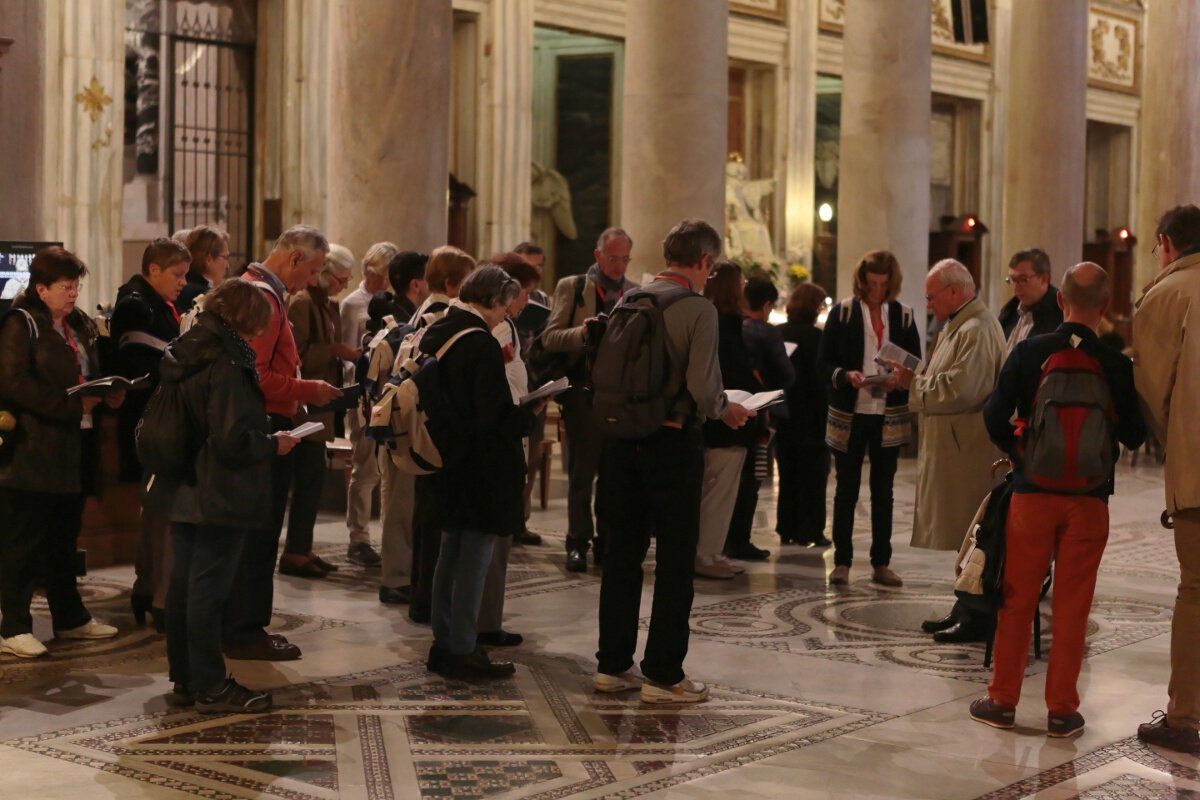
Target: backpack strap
pixel 445 348
pixel 30 322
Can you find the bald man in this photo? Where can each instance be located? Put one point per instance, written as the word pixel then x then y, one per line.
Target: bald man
pixel 1069 526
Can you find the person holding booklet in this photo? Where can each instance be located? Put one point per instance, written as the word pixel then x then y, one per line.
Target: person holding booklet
pixel 868 412
pixel 47 346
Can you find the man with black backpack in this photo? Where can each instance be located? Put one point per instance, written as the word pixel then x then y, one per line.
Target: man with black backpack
pixel 656 378
pixel 1075 405
pixel 579 299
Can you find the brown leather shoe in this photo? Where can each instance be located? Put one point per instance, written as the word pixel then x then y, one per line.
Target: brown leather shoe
pixel 840 576
pixel 885 577
pixel 301 569
pixel 268 648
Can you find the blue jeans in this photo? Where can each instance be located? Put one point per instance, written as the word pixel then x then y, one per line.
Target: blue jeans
pixel 205 562
pixel 458 589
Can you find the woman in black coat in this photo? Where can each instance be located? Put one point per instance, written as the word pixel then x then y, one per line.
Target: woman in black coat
pixel 868 414
pixel 47 346
pixel 800 435
pixel 480 493
pixel 212 366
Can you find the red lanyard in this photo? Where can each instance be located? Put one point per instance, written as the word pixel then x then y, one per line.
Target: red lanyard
pixel 682 281
pixel 174 312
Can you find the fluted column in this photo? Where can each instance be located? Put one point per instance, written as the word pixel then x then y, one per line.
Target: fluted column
pixel 801 131
pixel 675 118
pixel 389 117
pixel 64 81
pixel 1046 130
pixel 508 129
pixel 883 189
pixel 1170 160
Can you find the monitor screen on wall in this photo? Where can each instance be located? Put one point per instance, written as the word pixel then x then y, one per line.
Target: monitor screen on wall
pixel 15 258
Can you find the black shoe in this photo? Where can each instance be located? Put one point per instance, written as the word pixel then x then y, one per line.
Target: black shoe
pixel 936 625
pixel 475 665
pixel 576 561
pixel 233 698
pixel 747 552
pixel 304 569
pixel 362 554
pixel 436 661
pixel 420 614
pixel 1064 726
pixel 499 639
pixel 159 617
pixel 323 564
pixel 1158 732
pixel 527 537
pixel 961 633
pixel 268 648
pixel 989 712
pixel 821 541
pixel 139 604
pixel 400 596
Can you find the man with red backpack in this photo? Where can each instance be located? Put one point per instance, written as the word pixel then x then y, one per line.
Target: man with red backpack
pixel 1075 403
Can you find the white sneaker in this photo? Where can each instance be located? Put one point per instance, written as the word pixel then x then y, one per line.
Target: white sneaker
pixel 94 629
pixel 23 646
pixel 609 684
pixel 686 691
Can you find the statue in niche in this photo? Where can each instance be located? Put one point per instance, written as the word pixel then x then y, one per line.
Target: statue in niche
pixel 747 231
pixel 552 197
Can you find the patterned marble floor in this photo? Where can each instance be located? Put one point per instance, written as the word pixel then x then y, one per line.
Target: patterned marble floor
pixel 816 693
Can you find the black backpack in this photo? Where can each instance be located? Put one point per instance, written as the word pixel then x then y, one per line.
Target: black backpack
pixel 629 378
pixel 167 436
pixel 980 586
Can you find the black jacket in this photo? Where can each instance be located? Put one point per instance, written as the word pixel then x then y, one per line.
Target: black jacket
pixel 50 454
pixel 736 373
pixel 196 285
pixel 842 345
pixel 139 310
pixel 1018 383
pixel 807 399
pixel 485 490
pixel 220 386
pixel 1047 316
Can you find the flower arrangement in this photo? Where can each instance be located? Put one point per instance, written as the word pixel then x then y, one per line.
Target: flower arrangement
pixel 790 275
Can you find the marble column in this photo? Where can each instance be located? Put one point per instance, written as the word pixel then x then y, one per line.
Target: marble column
pixel 1169 159
pixel 506 132
pixel 63 94
pixel 883 183
pixel 800 75
pixel 674 123
pixel 389 118
pixel 1046 131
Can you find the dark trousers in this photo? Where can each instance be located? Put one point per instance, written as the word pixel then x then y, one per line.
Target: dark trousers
pixel 659 482
pixel 866 439
pixel 803 477
pixel 205 563
pixel 584 444
pixel 307 480
pixel 38 532
pixel 248 609
pixel 741 524
pixel 427 544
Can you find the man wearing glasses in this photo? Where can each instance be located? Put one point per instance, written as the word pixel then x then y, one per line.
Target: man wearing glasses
pixel 1033 309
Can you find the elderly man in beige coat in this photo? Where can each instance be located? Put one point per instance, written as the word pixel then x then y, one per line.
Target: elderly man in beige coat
pixel 1167 373
pixel 954 464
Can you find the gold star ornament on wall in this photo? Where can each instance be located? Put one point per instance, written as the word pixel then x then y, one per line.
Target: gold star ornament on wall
pixel 93 98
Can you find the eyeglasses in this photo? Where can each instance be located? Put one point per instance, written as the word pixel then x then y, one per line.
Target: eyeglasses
pixel 1019 280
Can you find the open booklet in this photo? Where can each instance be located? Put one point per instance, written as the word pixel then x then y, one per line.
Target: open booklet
pixel 755 402
pixel 891 352
pixel 548 389
pixel 112 383
pixel 307 429
pixel 533 317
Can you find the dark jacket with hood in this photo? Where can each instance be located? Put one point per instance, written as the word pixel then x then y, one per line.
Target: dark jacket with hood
pixel 219 382
pixel 140 318
pixel 34 378
pixel 484 490
pixel 1047 316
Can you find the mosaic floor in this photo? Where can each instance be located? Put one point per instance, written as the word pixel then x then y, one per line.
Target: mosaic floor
pixel 816 693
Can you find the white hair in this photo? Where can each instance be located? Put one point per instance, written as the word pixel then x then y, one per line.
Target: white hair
pixel 378 256
pixel 339 260
pixel 951 272
pixel 305 238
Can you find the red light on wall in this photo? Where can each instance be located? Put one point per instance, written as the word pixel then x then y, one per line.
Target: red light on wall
pixel 970 222
pixel 1123 233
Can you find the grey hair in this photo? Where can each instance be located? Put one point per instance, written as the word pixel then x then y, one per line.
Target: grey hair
pixel 181 235
pixel 951 272
pixel 378 256
pixel 489 286
pixel 305 238
pixel 612 233
pixel 1086 287
pixel 339 260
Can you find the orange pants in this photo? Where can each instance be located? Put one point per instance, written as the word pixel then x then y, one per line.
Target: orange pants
pixel 1073 531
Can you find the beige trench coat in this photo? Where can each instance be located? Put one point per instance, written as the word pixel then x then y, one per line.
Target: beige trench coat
pixel 954 464
pixel 1166 370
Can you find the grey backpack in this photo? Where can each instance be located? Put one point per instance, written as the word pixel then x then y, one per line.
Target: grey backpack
pixel 633 366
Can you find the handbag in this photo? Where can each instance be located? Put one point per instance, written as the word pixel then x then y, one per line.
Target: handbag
pixel 10 414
